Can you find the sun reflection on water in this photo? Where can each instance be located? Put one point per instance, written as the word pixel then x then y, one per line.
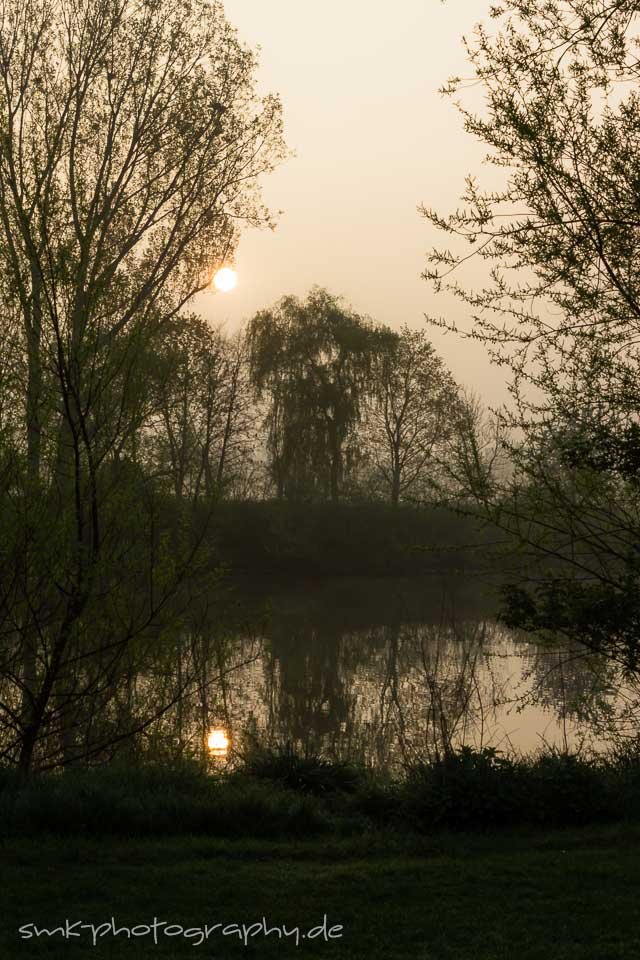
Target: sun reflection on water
pixel 218 743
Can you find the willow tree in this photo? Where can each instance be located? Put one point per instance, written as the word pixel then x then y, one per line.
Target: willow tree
pixel 311 360
pixel 561 308
pixel 131 142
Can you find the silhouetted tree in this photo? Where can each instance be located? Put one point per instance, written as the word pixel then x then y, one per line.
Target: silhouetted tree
pixel 311 360
pixel 130 144
pixel 410 415
pixel 561 311
pixel 202 434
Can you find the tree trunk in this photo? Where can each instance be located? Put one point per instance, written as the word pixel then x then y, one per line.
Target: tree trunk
pixel 27 746
pixel 395 488
pixel 335 477
pixel 33 328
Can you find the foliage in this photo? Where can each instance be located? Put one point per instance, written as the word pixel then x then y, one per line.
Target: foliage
pixel 130 150
pixel 312 360
pixel 281 793
pixel 463 789
pixel 203 431
pixel 603 617
pixel 560 308
pixel 479 789
pixel 308 774
pixel 155 801
pixel 411 415
pixel 360 538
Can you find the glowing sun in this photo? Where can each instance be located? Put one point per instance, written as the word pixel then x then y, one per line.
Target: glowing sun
pixel 225 279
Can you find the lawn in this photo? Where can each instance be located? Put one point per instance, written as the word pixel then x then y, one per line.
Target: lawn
pixel 562 895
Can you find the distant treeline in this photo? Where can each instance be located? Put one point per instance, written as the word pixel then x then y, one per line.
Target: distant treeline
pixel 358 539
pixel 310 402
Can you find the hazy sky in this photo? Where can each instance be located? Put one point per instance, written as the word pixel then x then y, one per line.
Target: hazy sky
pixel 373 138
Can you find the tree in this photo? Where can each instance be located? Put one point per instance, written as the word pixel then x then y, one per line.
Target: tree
pixel 562 308
pixel 411 414
pixel 473 464
pixel 130 146
pixel 202 434
pixel 312 360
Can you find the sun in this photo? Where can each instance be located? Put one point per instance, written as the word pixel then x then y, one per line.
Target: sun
pixel 225 279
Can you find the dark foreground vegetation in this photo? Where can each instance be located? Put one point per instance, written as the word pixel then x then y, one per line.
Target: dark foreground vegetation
pixel 451 861
pixel 280 794
pixel 304 844
pixel 569 895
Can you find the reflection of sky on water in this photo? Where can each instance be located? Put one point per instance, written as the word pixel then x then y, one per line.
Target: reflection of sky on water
pixel 391 692
pixel 377 671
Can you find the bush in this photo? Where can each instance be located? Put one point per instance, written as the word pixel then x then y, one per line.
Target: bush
pixel 377 802
pixel 278 793
pixel 479 789
pixel 469 789
pixel 563 789
pixel 310 774
pixel 155 801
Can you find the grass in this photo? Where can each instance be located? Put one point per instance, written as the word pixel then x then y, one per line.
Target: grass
pixel 459 861
pixel 568 895
pixel 155 800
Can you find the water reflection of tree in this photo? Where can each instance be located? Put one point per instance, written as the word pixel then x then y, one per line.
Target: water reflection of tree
pixel 384 696
pixel 591 691
pixel 304 682
pixel 387 695
pixel 437 692
pixel 183 685
pixel 173 688
pixel 320 675
pixel 578 687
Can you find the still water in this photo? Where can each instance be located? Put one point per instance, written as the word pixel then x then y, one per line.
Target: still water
pixel 386 672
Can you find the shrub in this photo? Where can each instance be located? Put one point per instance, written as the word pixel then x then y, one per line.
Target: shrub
pixel 564 789
pixel 468 789
pixel 309 774
pixel 278 793
pixel 155 801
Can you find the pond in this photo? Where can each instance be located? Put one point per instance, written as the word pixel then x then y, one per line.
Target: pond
pixel 385 672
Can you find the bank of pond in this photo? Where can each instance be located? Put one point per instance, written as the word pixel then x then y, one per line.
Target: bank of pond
pixel 275 793
pixel 346 539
